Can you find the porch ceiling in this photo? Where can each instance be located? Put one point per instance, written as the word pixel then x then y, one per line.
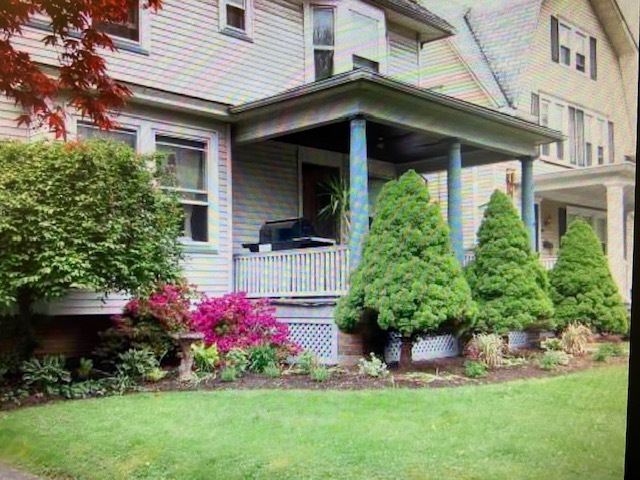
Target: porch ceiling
pixel 414 124
pixel 587 186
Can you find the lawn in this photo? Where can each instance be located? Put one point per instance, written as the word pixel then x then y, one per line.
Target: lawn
pixel 566 427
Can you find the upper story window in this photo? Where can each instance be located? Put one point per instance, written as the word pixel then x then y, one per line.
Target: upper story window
pixel 236 18
pixel 573 48
pixel 129 30
pixel 343 35
pixel 87 131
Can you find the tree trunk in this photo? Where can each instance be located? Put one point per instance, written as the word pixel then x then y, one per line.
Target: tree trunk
pixel 405 353
pixel 25 311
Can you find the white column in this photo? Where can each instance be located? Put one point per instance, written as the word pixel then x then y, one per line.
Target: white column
pixel 615 236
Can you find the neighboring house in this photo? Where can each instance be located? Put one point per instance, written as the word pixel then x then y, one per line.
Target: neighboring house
pixel 571 65
pixel 258 103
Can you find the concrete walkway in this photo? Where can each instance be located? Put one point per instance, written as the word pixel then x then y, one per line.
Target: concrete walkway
pixel 9 473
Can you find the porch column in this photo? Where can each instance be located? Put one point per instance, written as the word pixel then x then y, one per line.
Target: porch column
pixel 528 208
pixel 615 236
pixel 358 190
pixel 454 199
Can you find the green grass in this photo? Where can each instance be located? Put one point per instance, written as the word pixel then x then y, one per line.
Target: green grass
pixel 567 427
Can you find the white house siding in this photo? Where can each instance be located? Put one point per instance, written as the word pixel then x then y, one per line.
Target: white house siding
pixel 442 69
pixel 8 127
pixel 403 55
pixel 606 95
pixel 211 270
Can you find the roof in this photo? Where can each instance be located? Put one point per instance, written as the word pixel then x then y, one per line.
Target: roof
pixel 414 15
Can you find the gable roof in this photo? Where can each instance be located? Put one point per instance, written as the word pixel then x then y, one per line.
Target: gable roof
pixel 414 15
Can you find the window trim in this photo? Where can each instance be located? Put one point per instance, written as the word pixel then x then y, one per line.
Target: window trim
pixel 590 47
pixel 226 29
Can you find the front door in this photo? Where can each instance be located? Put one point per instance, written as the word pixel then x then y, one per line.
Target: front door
pixel 316 195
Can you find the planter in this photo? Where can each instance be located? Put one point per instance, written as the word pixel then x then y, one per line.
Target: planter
pixel 185 340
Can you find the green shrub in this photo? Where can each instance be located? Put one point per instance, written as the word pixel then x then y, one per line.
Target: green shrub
pixel 473 369
pixel 506 278
pixel 271 370
pixel 137 364
pixel 551 359
pixel 408 276
pixel 575 339
pixel 373 367
pixel 85 368
pixel 205 358
pixel 602 355
pixel 486 348
pixel 237 358
pixel 307 362
pixel 46 374
pixel 514 362
pixel 228 374
pixel 582 287
pixel 319 374
pixel 87 388
pixel 262 357
pixel 552 343
pixel 607 350
pixel 156 374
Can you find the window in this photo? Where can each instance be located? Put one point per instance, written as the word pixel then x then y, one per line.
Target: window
pixel 236 18
pixel 581 48
pixel 568 42
pixel 611 144
pixel 588 145
pixel 365 37
pixel 601 137
pixel 87 131
pixel 129 30
pixel 323 41
pixel 236 11
pixel 544 121
pixel 565 44
pixel 187 161
pixel 596 219
pixel 558 124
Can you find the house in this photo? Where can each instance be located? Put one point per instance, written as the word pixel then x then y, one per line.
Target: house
pixel 572 66
pixel 258 103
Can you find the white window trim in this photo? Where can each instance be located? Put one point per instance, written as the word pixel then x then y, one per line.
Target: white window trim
pixel 146 131
pixel 574 31
pixel 342 60
pixel 247 33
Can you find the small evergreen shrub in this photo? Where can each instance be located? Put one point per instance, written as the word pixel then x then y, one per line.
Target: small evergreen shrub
pixel 551 359
pixel 575 339
pixel 506 278
pixel 474 369
pixel 582 287
pixel 373 367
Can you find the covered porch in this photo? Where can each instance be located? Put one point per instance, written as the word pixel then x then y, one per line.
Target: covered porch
pixel 366 129
pixel 603 196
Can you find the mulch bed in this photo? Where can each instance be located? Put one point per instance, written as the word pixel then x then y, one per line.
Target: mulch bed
pixel 443 372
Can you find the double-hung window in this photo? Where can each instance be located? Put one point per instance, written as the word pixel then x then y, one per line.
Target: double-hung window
pixel 324 39
pixel 236 18
pixel 544 121
pixel 129 30
pixel 187 161
pixel 87 131
pixel 565 44
pixel 573 48
pixel 601 136
pixel 365 37
pixel 581 48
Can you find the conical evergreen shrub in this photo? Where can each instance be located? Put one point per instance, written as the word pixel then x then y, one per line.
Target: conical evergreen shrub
pixel 582 287
pixel 508 282
pixel 408 276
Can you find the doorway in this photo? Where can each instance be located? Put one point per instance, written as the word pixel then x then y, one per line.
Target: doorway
pixel 316 196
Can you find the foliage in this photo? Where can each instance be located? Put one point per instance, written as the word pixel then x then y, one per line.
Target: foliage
pixel 228 374
pixel 338 206
pixel 86 388
pixel 261 357
pixel 552 343
pixel 82 215
pixel 46 374
pixel 582 287
pixel 156 374
pixel 507 279
pixel 486 348
pixel 373 367
pixel 79 45
pixel 511 362
pixel 85 368
pixel 474 369
pixel 575 339
pixel 408 274
pixel 307 362
pixel 238 359
pixel 205 358
pixel 234 321
pixel 271 370
pixel 137 364
pixel 319 374
pixel 552 358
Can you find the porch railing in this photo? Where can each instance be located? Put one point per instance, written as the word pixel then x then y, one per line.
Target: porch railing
pixel 308 272
pixel 547 262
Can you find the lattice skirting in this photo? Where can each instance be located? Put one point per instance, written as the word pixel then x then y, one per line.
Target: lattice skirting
pixel 319 338
pixel 518 339
pixel 425 348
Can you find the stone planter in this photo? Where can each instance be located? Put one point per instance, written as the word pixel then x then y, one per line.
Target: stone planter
pixel 185 340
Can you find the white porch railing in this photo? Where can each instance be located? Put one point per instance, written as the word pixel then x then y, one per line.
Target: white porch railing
pixel 547 262
pixel 307 272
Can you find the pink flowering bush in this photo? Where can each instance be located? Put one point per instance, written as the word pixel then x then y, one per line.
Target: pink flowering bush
pixel 234 321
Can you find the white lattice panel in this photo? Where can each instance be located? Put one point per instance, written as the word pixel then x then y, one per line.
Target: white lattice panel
pixel 319 338
pixel 425 348
pixel 518 339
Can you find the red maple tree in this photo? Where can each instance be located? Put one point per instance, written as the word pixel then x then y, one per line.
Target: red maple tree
pixel 82 74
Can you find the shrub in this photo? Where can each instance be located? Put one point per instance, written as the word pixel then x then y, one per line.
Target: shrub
pixel 319 374
pixel 487 348
pixel 234 321
pixel 575 339
pixel 272 371
pixel 86 389
pixel 307 362
pixel 205 358
pixel 607 350
pixel 373 367
pixel 156 374
pixel 552 343
pixel 137 364
pixel 238 359
pixel 582 287
pixel 552 358
pixel 261 357
pixel 473 369
pixel 85 368
pixel 506 278
pixel 408 276
pixel 45 375
pixel 228 374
